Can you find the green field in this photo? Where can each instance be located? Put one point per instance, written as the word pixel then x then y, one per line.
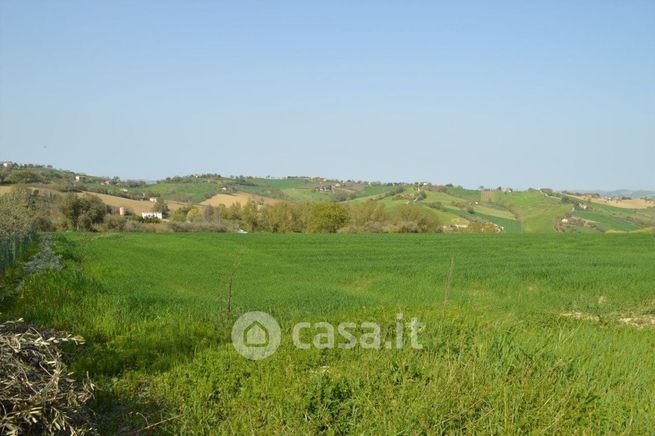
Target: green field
pixel 185 192
pixel 607 222
pixel 526 336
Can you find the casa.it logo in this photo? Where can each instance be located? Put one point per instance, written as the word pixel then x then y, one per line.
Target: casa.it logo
pixel 256 335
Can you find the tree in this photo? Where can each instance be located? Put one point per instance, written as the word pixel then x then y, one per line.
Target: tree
pixel 20 211
pixel 234 212
pixel 328 217
pixel 283 217
pixel 82 212
pixel 180 214
pixel 413 219
pixel 193 215
pixel 367 212
pixel 249 216
pixel 161 206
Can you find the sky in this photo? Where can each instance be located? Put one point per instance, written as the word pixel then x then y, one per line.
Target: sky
pixel 556 94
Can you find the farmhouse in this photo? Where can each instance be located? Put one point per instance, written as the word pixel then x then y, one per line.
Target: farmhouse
pixel 158 215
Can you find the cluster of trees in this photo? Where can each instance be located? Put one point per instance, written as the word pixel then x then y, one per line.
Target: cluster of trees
pixel 325 217
pixel 28 173
pixel 82 212
pixel 23 209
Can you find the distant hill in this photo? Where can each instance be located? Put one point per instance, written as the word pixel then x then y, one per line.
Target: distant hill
pixel 630 193
pixel 457 208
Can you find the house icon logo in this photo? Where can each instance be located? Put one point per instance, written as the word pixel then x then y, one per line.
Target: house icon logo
pixel 256 335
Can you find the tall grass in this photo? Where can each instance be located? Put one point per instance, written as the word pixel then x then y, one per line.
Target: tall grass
pixel 501 353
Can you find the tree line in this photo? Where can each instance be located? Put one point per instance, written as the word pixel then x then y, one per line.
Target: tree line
pixel 307 217
pixel 23 209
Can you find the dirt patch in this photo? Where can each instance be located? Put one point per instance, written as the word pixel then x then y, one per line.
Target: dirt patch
pixel 632 203
pixel 580 315
pixel 640 321
pixel 240 197
pixel 135 206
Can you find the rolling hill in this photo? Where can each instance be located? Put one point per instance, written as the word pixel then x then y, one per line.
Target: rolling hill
pixel 531 211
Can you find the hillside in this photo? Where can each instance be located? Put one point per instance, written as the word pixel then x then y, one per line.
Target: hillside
pixel 456 208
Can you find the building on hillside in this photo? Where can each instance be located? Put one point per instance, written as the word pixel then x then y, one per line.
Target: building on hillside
pixel 157 215
pixel 582 206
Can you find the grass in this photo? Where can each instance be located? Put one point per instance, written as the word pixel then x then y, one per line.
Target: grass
pixel 498 355
pixel 510 225
pixel 607 221
pixel 184 192
pixel 536 211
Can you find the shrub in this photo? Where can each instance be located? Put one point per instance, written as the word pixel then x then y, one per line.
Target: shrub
pixel 328 217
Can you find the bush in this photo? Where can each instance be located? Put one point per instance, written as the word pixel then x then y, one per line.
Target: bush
pixel 114 223
pixel 328 217
pixel 21 211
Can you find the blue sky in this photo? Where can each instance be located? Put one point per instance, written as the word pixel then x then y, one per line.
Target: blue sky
pixel 554 93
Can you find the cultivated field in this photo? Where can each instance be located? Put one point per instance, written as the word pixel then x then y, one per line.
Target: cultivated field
pixel 523 333
pixel 136 206
pixel 241 198
pixel 628 203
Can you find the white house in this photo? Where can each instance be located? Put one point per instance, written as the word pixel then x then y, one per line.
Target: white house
pixel 152 215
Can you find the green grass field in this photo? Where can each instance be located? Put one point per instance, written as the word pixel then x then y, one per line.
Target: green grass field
pixel 527 337
pixel 185 192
